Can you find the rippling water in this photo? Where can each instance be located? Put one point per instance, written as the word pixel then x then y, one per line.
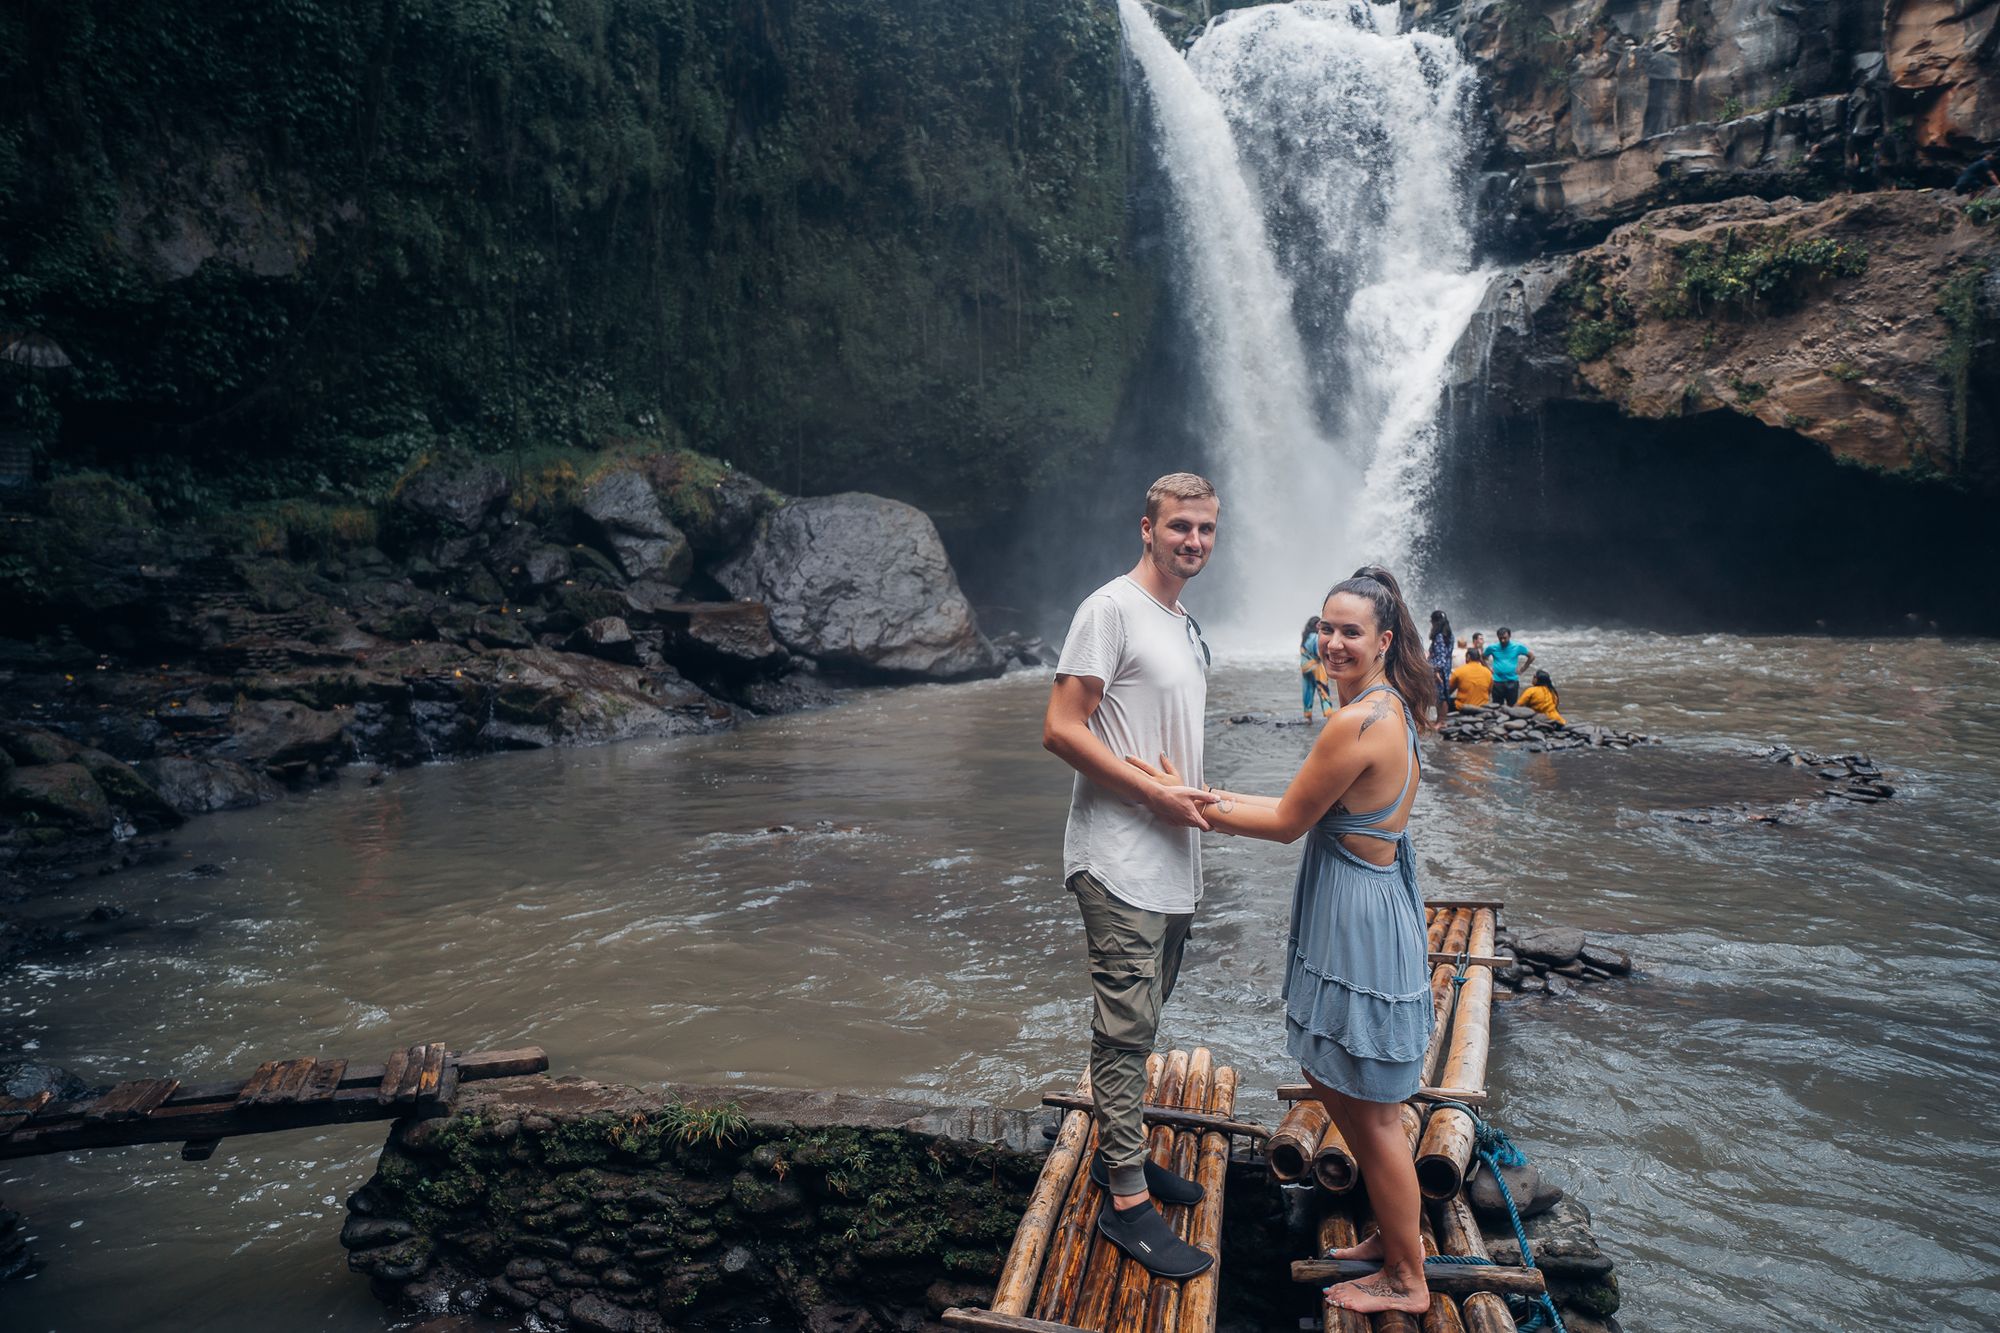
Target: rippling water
pixel 1788 1118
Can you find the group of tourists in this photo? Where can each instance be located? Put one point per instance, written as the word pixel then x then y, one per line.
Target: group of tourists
pixel 1126 713
pixel 1489 673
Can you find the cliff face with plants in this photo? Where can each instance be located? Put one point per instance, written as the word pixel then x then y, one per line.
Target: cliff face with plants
pixel 840 242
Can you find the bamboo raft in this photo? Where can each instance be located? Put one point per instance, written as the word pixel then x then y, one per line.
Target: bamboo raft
pixel 1061 1276
pixel 418 1082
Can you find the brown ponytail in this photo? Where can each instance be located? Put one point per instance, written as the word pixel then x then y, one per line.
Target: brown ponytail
pixel 1407 667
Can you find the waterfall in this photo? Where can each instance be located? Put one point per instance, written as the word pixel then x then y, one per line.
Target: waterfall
pixel 1316 162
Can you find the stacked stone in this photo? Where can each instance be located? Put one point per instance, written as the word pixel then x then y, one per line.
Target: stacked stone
pixel 1514 725
pixel 1849 777
pixel 1554 961
pixel 589 1206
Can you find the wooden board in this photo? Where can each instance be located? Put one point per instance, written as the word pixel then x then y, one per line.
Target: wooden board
pixel 129 1101
pixel 1450 1279
pixel 324 1080
pixel 298 1094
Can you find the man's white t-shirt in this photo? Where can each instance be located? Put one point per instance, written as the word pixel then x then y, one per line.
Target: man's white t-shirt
pixel 1155 692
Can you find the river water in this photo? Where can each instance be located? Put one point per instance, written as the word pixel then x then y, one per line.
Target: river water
pixel 1785 1122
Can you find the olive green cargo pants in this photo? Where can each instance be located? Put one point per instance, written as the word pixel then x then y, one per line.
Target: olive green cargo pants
pixel 1135 958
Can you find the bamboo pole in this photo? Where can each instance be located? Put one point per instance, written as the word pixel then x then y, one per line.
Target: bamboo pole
pixel 1292 1146
pixel 1443 1316
pixel 1163 1297
pixel 1197 1305
pixel 1104 1267
pixel 1031 1238
pixel 1070 1246
pixel 1435 926
pixel 1461 928
pixel 1458 1233
pixel 1444 1006
pixel 1333 1164
pixel 1336 1232
pixel 1446 1148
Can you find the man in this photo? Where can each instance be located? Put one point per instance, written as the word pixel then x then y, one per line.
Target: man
pixel 1508 659
pixel 1133 680
pixel 1471 683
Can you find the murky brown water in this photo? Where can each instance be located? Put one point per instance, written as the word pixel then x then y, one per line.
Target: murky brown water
pixel 1787 1123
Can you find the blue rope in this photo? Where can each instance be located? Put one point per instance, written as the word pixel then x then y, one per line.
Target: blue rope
pixel 1495 1149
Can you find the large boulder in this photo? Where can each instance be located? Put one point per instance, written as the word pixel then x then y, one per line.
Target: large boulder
pixel 627 514
pixel 454 493
pixel 862 583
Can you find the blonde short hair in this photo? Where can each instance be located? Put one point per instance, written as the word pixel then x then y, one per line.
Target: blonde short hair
pixel 1177 486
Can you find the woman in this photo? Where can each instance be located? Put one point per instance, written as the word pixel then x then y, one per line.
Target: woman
pixel 1441 654
pixel 1542 697
pixel 1357 987
pixel 1312 675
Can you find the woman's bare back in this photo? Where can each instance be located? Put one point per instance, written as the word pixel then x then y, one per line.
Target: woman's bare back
pixel 1385 732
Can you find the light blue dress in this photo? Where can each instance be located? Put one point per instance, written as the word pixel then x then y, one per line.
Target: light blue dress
pixel 1357 987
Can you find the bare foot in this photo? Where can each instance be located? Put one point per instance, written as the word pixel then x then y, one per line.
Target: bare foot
pixel 1370 1250
pixel 1370 1295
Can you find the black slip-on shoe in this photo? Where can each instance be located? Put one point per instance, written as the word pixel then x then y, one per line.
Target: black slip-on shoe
pixel 1161 1183
pixel 1142 1233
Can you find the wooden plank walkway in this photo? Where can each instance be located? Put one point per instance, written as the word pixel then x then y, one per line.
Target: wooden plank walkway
pixel 416 1081
pixel 1061 1276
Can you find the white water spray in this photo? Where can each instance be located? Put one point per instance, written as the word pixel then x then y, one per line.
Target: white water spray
pixel 1316 161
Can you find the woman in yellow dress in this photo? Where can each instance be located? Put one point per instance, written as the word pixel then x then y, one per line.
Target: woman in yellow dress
pixel 1542 697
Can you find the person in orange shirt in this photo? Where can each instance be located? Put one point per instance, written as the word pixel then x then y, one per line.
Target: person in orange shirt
pixel 1542 697
pixel 1472 683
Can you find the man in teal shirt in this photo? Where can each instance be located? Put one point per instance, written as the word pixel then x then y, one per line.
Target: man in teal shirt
pixel 1508 660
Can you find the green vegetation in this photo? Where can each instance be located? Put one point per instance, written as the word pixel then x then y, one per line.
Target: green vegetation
pixel 835 242
pixel 1748 273
pixel 1747 391
pixel 1959 304
pixel 1601 317
pixel 1983 209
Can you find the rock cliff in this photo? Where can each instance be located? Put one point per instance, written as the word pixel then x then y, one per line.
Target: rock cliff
pixel 1860 322
pixel 1602 109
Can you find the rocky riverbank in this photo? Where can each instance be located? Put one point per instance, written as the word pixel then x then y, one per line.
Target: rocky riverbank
pixel 153 673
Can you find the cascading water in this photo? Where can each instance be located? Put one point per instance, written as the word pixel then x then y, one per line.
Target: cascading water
pixel 1315 160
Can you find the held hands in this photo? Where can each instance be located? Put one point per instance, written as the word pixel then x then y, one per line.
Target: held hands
pixel 1171 800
